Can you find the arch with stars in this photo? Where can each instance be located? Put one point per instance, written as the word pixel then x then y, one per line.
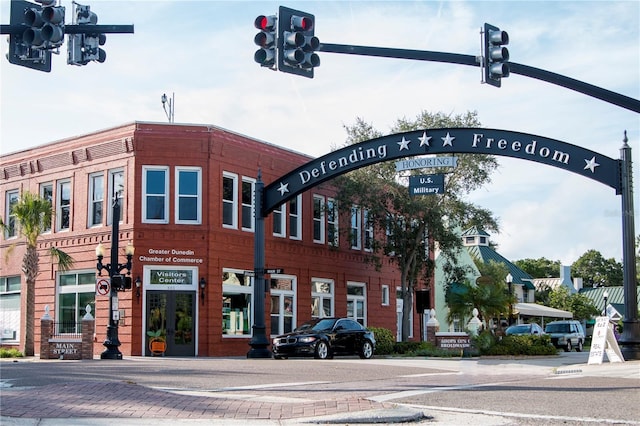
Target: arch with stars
pixel 506 143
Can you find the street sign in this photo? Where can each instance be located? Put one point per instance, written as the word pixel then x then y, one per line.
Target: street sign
pixel 426 162
pixel 274 271
pixel 103 286
pixel 426 184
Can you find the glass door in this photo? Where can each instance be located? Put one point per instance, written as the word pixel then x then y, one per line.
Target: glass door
pixel 170 319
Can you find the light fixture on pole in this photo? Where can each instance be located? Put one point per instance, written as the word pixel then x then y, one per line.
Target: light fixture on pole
pixel 605 296
pixel 203 284
pixel 171 103
pixel 509 280
pixel 138 284
pixel 118 283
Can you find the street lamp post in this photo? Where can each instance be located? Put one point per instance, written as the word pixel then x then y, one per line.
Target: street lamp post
pixel 118 282
pixel 605 296
pixel 509 280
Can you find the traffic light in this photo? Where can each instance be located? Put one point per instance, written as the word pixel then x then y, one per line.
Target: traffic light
pixel 21 52
pixel 297 44
pixel 266 39
pixel 121 282
pixel 496 56
pixel 85 47
pixel 53 29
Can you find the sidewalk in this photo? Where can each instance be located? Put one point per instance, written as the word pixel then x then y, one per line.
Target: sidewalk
pixel 126 403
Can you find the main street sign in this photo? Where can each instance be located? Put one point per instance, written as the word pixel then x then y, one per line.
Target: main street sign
pixel 426 185
pixel 426 162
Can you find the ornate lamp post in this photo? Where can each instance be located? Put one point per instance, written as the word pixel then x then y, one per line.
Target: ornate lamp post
pixel 509 280
pixel 118 283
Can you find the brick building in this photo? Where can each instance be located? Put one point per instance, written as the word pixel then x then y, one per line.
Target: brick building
pixel 186 196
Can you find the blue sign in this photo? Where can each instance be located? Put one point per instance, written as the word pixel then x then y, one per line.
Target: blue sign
pixel 426 185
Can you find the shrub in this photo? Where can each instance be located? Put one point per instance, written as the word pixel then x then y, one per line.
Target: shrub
pixel 522 345
pixel 10 353
pixel 403 348
pixel 425 349
pixel 385 340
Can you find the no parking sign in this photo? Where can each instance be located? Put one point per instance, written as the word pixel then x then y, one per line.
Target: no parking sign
pixel 103 286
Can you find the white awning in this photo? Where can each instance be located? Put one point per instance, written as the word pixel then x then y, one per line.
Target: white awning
pixel 535 310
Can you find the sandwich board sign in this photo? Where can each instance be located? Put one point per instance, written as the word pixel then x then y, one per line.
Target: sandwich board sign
pixel 604 342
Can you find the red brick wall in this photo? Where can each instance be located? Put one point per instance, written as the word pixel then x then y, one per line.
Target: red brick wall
pixel 132 146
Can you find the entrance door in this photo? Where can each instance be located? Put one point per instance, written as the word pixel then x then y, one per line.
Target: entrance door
pixel 172 313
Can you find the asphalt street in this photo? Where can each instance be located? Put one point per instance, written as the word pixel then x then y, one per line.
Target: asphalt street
pixel 495 391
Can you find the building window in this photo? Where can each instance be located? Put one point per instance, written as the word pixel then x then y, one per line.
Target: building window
pixel 96 199
pixel 332 222
pixel 368 231
pixel 295 213
pixel 46 193
pixel 279 222
pixel 116 188
pixel 188 195
pixel 12 198
pixel 76 290
pixel 469 240
pixel 248 189
pixel 237 291
pixel 229 200
pixel 283 308
pixel 385 295
pixel 155 184
pixel 9 309
pixel 356 302
pixel 356 228
pixel 318 219
pixel 63 205
pixel 321 298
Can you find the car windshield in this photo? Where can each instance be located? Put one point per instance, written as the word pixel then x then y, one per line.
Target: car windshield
pixel 323 325
pixel 519 328
pixel 557 328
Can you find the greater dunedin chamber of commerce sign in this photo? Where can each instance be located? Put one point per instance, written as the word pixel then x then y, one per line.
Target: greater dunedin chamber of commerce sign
pixel 506 143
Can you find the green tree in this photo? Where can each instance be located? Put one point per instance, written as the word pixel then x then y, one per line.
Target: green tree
pixel 411 224
pixel 596 271
pixel 33 216
pixel 578 304
pixel 539 268
pixel 490 295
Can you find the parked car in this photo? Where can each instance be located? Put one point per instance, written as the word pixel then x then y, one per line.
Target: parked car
pixel 325 337
pixel 566 334
pixel 521 329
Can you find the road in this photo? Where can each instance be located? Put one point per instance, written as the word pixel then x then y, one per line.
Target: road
pixel 494 391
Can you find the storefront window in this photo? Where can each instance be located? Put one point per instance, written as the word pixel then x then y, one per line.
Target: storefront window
pixel 9 309
pixel 321 298
pixel 237 292
pixel 75 292
pixel 283 308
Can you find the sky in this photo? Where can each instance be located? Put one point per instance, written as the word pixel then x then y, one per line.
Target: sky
pixel 201 53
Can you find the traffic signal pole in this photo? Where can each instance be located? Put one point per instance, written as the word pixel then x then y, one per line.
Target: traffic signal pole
pixel 614 98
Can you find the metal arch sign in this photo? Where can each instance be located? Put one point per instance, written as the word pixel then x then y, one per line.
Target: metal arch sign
pixel 505 143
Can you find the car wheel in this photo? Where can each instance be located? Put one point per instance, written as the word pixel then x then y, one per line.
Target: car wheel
pixel 322 351
pixel 366 352
pixel 579 347
pixel 568 347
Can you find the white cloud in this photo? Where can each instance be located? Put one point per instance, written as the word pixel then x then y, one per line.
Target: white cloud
pixel 203 52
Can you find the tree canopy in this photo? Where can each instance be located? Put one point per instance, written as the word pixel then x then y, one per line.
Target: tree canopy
pixel 406 227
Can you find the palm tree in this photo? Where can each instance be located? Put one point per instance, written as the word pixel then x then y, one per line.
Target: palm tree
pixel 33 215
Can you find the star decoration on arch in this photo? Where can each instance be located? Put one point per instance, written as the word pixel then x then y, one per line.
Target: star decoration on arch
pixel 404 144
pixel 447 140
pixel 591 164
pixel 424 139
pixel 284 187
